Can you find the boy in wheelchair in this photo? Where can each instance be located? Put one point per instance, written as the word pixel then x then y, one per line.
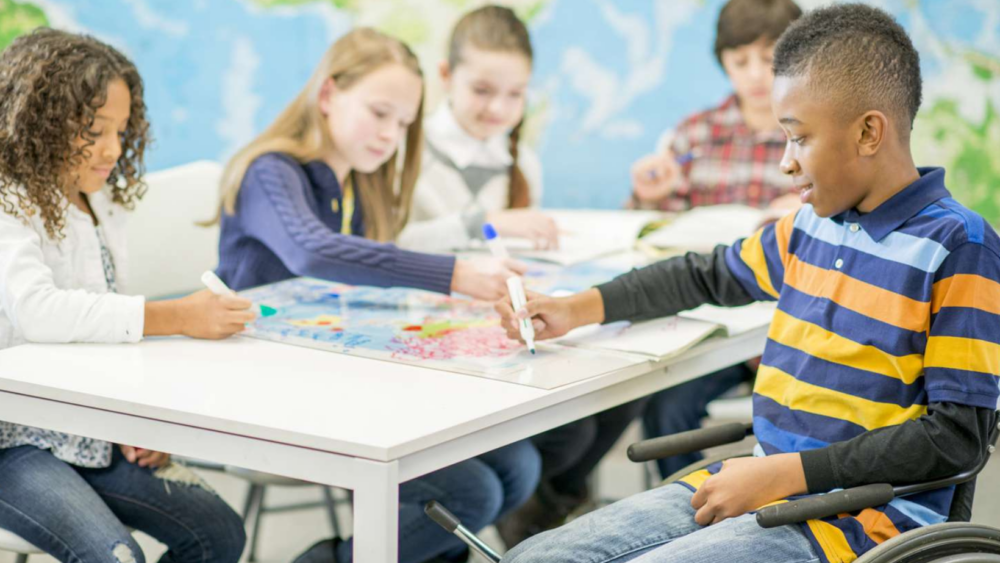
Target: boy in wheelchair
pixel 882 360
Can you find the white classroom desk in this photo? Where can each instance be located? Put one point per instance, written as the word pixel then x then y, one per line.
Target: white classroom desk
pixel 339 420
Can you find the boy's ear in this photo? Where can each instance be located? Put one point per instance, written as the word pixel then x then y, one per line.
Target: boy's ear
pixel 326 92
pixel 872 128
pixel 444 71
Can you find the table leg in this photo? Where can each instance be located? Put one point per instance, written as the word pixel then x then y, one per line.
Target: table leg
pixel 376 513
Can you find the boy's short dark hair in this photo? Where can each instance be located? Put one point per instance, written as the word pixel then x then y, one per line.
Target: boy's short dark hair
pixel 742 22
pixel 859 55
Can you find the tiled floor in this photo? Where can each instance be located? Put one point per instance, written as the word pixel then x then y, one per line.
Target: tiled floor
pixel 285 535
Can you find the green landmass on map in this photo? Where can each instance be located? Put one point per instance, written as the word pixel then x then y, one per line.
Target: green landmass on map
pixel 18 18
pixel 967 150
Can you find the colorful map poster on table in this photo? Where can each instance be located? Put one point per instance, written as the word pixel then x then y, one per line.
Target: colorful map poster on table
pixel 416 327
pixel 552 279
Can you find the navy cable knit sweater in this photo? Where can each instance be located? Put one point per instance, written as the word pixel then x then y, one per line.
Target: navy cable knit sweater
pixel 285 225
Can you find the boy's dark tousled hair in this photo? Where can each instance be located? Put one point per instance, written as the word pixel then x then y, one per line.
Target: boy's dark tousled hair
pixel 742 22
pixel 857 54
pixel 51 85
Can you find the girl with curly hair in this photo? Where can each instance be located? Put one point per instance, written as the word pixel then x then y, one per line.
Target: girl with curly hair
pixel 73 132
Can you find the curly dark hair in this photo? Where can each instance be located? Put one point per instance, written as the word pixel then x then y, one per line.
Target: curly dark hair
pixel 859 55
pixel 51 85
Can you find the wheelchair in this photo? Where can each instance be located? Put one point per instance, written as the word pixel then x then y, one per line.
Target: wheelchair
pixel 954 541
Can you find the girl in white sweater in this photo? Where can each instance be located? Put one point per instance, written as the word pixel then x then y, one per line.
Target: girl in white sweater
pixel 73 133
pixel 474 169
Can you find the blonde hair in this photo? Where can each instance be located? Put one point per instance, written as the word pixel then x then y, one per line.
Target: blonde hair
pixel 495 28
pixel 301 131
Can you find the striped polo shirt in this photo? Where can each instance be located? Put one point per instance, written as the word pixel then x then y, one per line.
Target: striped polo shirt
pixel 879 315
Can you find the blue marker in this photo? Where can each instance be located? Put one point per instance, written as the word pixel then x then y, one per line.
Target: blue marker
pixel 681 160
pixel 514 285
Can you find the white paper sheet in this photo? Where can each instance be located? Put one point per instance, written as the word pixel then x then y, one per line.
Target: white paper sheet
pixel 704 228
pixel 656 339
pixel 587 234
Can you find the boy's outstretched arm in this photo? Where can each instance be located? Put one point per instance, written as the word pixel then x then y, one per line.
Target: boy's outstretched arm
pixel 671 286
pixel 662 289
pixel 749 270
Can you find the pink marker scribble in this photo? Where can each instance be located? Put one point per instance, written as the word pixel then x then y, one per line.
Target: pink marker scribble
pixel 474 342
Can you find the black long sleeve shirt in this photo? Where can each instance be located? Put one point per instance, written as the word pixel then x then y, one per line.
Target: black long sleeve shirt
pixel 949 439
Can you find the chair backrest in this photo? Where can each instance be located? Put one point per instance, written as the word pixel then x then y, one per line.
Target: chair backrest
pixel 167 251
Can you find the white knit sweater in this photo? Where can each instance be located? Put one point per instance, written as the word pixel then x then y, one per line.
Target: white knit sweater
pixel 461 179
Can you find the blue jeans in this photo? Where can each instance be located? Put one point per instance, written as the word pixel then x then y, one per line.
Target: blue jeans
pixel 658 526
pixel 82 515
pixel 477 491
pixel 681 408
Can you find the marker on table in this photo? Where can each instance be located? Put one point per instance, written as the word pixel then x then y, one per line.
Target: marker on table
pixel 219 287
pixel 514 286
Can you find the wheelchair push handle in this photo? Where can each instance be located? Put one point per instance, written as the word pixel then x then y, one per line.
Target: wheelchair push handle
pixel 687 442
pixel 813 508
pixel 444 518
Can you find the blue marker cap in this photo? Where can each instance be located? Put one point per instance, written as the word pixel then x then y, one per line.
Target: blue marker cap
pixel 489 232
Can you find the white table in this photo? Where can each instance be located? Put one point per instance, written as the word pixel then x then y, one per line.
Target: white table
pixel 338 420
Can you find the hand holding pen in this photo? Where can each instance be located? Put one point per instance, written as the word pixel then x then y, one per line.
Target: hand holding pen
pixel 515 288
pixel 655 176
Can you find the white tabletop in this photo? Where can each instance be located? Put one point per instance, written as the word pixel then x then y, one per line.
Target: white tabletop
pixel 332 402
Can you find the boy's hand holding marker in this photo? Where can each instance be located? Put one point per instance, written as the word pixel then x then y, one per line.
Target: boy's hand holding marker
pixel 655 176
pixel 550 317
pixel 515 289
pixel 527 316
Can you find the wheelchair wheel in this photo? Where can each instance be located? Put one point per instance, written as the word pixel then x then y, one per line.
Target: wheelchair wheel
pixel 954 542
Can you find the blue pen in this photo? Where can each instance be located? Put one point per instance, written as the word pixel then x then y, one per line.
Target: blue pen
pixel 681 160
pixel 514 285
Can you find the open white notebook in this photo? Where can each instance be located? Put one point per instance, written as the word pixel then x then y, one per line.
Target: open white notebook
pixel 704 228
pixel 586 234
pixel 660 339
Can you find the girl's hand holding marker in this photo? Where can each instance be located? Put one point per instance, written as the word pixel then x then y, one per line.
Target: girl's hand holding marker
pixel 219 287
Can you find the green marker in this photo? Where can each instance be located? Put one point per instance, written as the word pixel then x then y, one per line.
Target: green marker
pixel 218 287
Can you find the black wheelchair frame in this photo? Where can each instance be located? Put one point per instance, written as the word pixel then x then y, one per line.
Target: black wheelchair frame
pixel 949 542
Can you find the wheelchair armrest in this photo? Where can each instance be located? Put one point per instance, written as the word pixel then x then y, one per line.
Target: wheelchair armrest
pixel 690 441
pixel 831 504
pixel 866 496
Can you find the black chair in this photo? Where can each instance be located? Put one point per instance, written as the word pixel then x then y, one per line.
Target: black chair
pixel 955 541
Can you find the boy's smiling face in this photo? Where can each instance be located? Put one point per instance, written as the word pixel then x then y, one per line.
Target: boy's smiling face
pixel 822 151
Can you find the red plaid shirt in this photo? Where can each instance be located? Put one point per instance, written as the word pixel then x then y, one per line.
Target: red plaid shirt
pixel 734 163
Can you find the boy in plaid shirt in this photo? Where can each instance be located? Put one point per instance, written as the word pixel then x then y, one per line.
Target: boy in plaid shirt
pixel 730 153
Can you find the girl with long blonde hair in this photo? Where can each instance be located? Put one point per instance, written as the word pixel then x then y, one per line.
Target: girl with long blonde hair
pixel 317 194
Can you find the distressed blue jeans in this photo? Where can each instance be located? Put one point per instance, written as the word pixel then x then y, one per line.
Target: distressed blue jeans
pixel 82 515
pixel 658 526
